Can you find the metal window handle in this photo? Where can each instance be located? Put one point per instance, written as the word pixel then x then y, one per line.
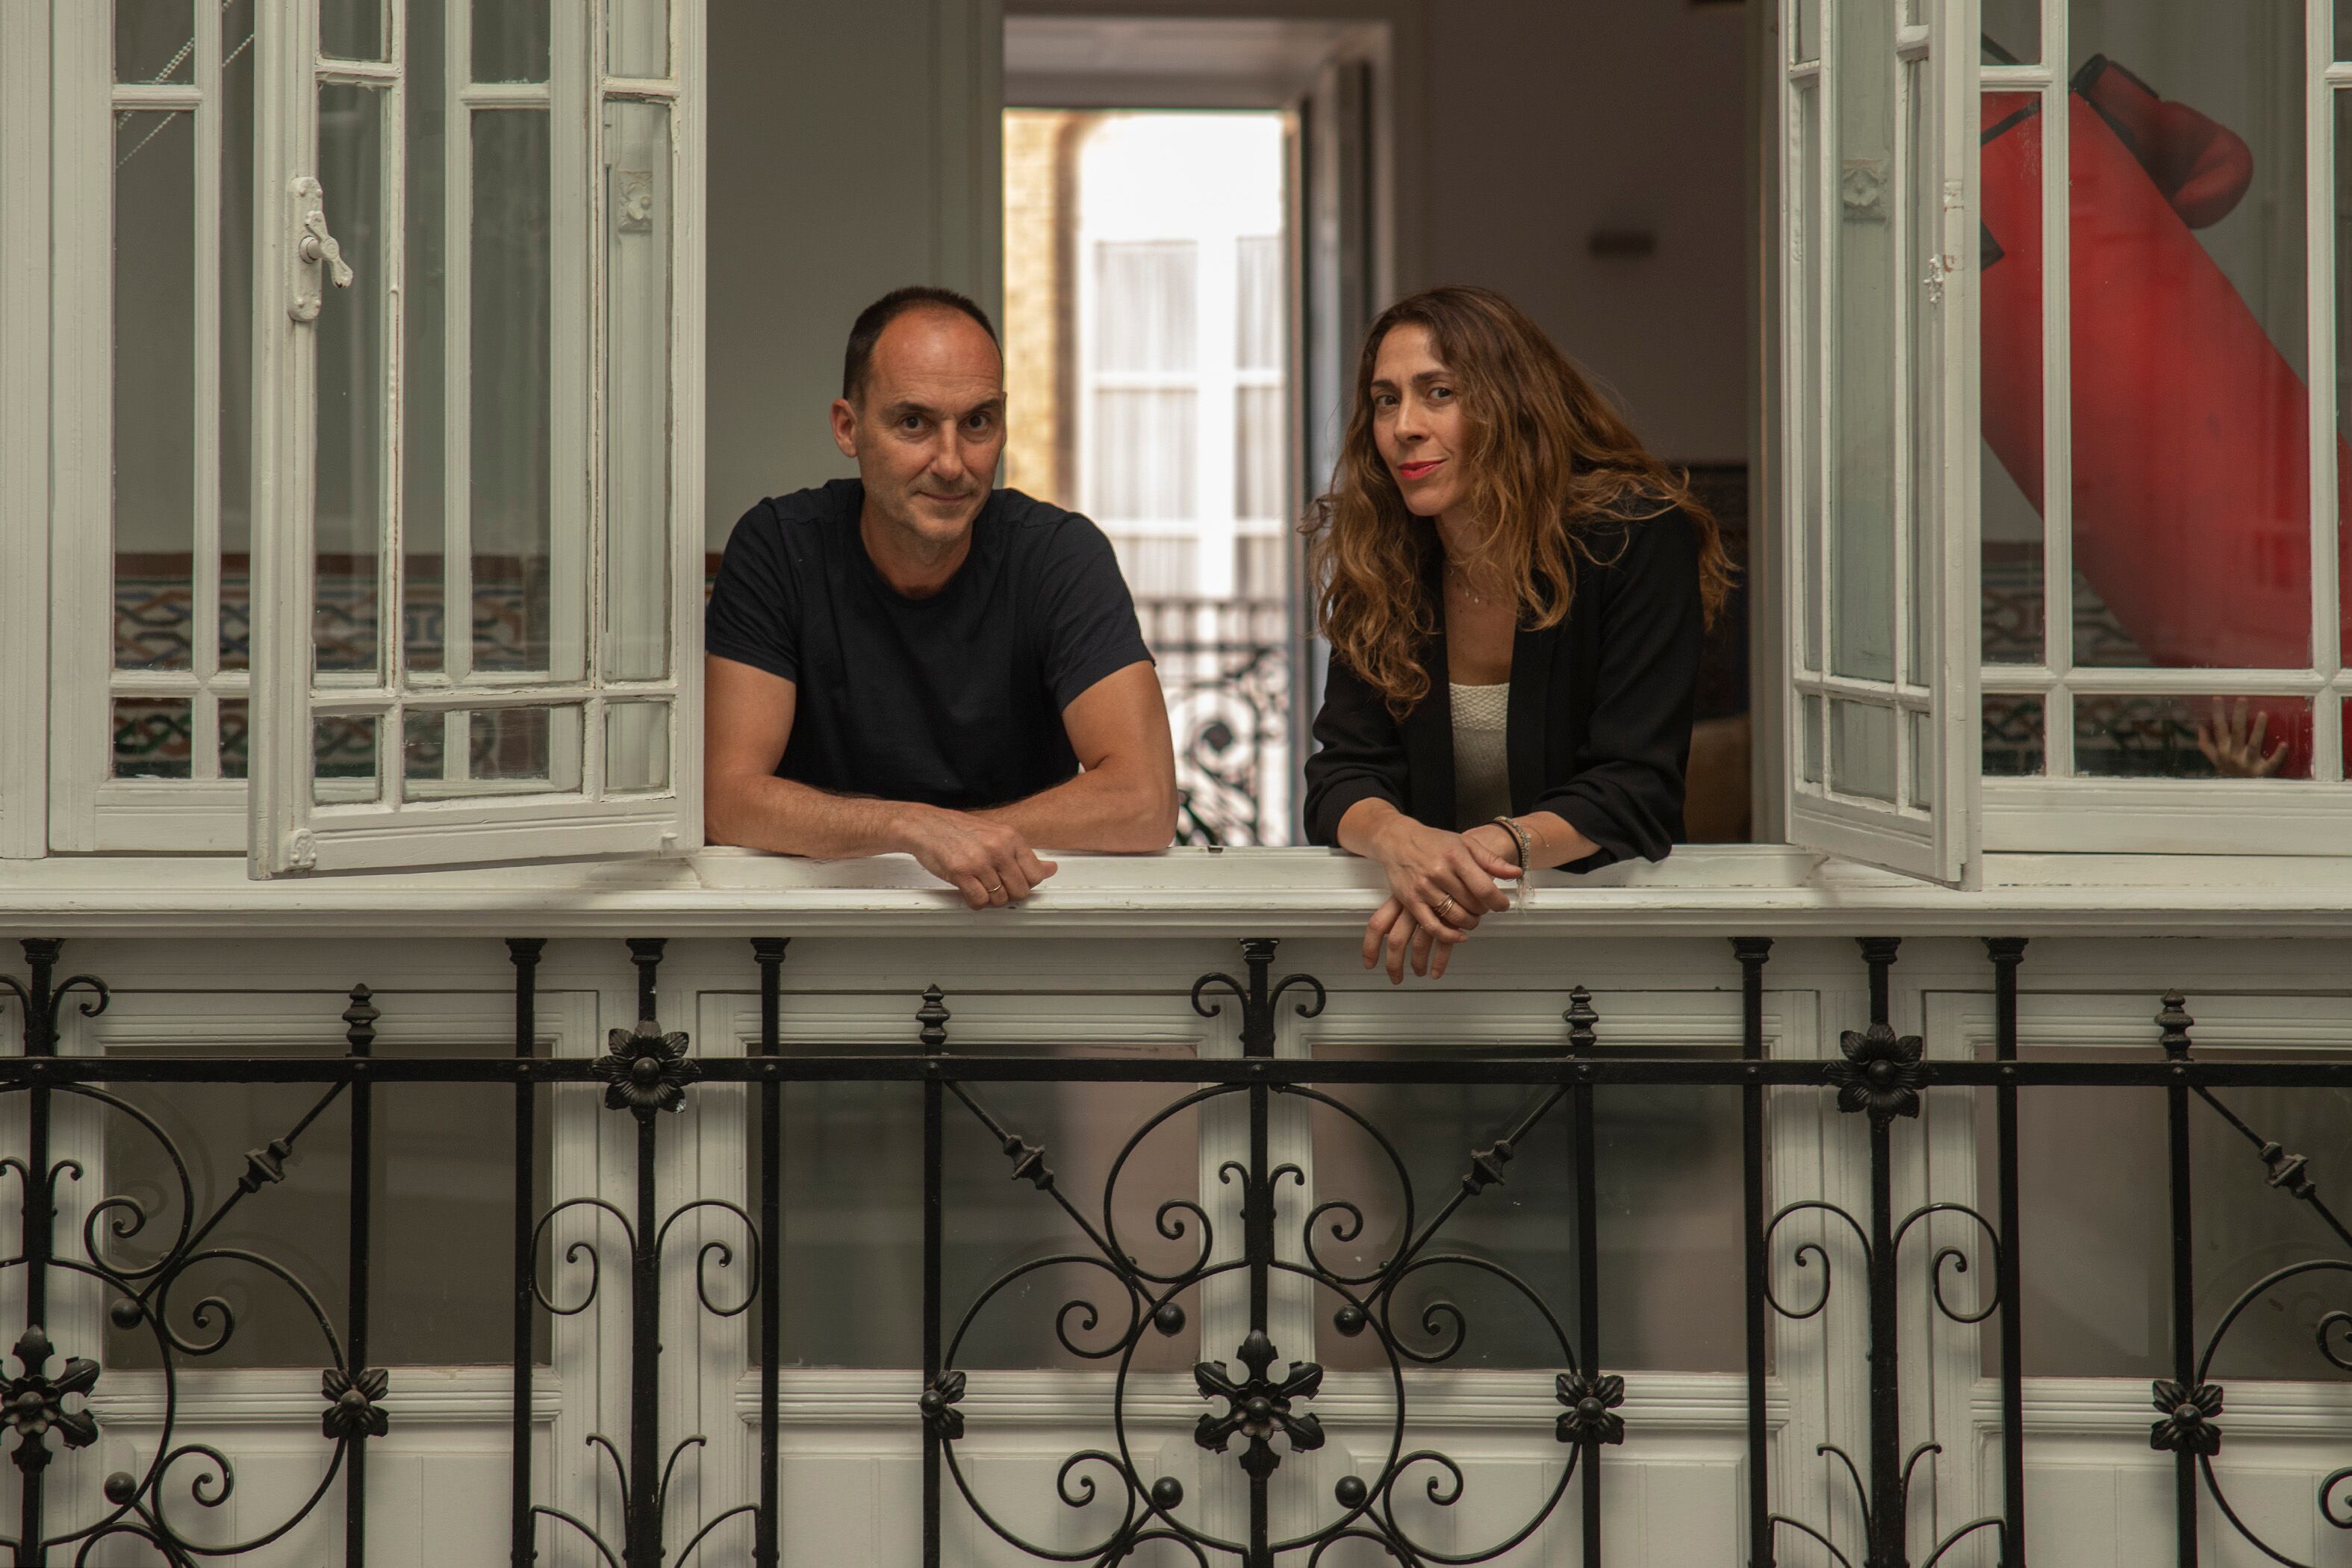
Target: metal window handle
pixel 315 251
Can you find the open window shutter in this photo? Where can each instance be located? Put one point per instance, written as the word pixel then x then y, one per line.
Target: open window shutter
pixel 1879 432
pixel 479 563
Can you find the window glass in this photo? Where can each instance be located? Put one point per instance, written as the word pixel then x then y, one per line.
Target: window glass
pixel 352 425
pixel 511 40
pixel 351 29
pixel 442 1223
pixel 1668 1161
pixel 2013 736
pixel 509 477
pixel 155 41
pixel 1861 351
pixel 425 353
pixel 853 1173
pixel 636 40
pixel 2013 32
pixel 155 360
pixel 2093 1176
pixel 637 391
pixel 2152 736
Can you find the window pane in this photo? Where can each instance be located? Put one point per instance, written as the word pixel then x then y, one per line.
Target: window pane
pixel 511 478
pixel 1258 304
pixel 424 357
pixel 636 564
pixel 1669 1162
pixel 2169 737
pixel 2009 336
pixel 505 751
pixel 637 41
pixel 154 41
pixel 1862 518
pixel 350 359
pixel 1922 220
pixel 236 432
pixel 1147 307
pixel 1805 35
pixel 637 747
pixel 2013 740
pixel 2190 421
pixel 2013 32
pixel 1258 449
pixel 1143 455
pixel 1811 745
pixel 1805 456
pixel 1919 738
pixel 444 1218
pixel 853 1167
pixel 152 736
pixel 1861 751
pixel 235 737
pixel 511 40
pixel 343 760
pixel 2342 104
pixel 154 389
pixel 351 29
pixel 2098 1294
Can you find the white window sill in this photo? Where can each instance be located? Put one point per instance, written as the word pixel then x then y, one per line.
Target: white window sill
pixel 1762 890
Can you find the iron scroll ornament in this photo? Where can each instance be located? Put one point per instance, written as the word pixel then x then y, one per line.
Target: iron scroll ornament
pixel 2190 1409
pixel 1260 1405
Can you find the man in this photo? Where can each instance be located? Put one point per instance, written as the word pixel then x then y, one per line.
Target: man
pixel 912 661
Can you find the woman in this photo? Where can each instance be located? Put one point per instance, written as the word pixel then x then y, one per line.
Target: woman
pixel 1513 592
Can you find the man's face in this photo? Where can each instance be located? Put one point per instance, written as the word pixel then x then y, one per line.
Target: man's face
pixel 927 425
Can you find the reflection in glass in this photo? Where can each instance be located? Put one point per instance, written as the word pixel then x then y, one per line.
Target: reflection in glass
pixel 1862 523
pixel 351 29
pixel 423 311
pixel 853 1164
pixel 2098 1294
pixel 154 389
pixel 2013 32
pixel 1812 740
pixel 154 41
pixel 2192 737
pixel 235 737
pixel 235 433
pixel 153 737
pixel 351 383
pixel 502 750
pixel 344 759
pixel 1805 37
pixel 2014 746
pixel 510 473
pixel 2010 338
pixel 442 1252
pixel 1806 459
pixel 1669 1162
pixel 1861 751
pixel 638 413
pixel 511 40
pixel 637 42
pixel 637 747
pixel 2189 420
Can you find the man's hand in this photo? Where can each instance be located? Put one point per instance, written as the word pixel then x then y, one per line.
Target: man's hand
pixel 988 861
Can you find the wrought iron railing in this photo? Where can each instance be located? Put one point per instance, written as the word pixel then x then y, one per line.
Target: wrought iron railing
pixel 1258 1405
pixel 1224 667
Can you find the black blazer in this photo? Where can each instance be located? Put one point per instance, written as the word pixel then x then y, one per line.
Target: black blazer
pixel 1600 716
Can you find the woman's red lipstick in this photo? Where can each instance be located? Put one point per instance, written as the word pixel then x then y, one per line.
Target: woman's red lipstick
pixel 1419 470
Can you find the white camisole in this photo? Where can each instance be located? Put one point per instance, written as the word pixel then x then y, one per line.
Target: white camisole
pixel 1482 772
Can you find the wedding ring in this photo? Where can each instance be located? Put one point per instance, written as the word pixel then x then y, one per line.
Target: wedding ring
pixel 996 887
pixel 1445 906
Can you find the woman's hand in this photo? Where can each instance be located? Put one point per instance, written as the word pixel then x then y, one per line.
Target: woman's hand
pixel 2235 751
pixel 1440 884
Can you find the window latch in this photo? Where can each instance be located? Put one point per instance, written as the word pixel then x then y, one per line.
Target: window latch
pixel 315 251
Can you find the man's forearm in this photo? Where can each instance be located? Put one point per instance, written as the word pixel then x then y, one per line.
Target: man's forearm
pixel 1108 810
pixel 792 818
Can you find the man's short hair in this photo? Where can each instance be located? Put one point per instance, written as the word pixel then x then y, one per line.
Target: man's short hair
pixel 871 320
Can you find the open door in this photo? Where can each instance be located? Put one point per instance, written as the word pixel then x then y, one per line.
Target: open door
pixel 1878 429
pixel 479 556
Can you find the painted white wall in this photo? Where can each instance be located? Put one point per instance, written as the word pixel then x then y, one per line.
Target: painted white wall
pixel 852 149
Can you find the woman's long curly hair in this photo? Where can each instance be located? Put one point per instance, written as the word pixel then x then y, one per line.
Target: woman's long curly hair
pixel 1547 459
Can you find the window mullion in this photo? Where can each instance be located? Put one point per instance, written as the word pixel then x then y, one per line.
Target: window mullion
pixel 2319 280
pixel 2057 400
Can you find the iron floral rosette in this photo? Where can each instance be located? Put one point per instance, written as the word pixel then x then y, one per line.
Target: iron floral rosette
pixel 646 1070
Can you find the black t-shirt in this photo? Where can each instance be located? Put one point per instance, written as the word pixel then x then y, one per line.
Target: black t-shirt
pixel 953 700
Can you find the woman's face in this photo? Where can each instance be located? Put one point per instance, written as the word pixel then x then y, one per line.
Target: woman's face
pixel 1417 420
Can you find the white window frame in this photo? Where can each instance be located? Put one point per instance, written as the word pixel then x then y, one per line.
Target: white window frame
pixel 25 183
pixel 2254 816
pixel 1928 828
pixel 276 820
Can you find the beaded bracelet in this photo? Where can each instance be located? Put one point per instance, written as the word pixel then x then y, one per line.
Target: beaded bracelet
pixel 1518 836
